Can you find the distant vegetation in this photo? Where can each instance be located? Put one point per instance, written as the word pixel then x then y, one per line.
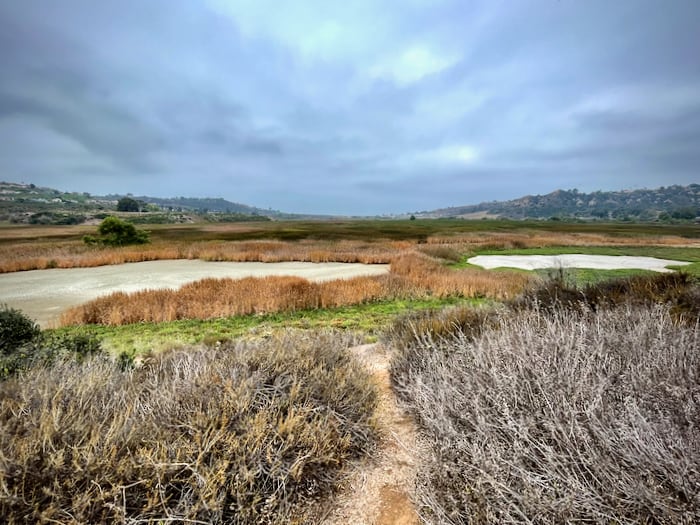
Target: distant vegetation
pixel 205 205
pixel 27 203
pixel 665 204
pixel 113 231
pixel 31 204
pixel 129 204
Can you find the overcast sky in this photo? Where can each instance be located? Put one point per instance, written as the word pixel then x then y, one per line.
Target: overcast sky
pixel 349 107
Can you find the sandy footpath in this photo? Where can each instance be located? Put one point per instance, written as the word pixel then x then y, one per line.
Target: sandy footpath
pixel 598 262
pixel 44 294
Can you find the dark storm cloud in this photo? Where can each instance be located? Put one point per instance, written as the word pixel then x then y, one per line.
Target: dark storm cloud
pixel 359 107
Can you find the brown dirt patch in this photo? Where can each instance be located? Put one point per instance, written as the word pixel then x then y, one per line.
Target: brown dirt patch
pixel 378 491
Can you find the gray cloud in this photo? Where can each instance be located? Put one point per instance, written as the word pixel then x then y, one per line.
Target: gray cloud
pixel 359 107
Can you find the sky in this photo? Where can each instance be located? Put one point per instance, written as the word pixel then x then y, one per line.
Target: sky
pixel 355 107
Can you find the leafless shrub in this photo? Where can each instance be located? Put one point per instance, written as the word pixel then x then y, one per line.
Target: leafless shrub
pixel 559 416
pixel 238 434
pixel 440 324
pixel 677 289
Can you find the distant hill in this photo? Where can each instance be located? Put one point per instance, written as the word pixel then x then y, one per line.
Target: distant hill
pixel 665 203
pixel 201 205
pixel 29 203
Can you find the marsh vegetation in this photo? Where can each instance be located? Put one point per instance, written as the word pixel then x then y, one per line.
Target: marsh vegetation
pixel 541 400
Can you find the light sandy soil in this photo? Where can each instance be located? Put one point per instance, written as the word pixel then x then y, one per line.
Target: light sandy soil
pixel 598 262
pixel 44 294
pixel 377 491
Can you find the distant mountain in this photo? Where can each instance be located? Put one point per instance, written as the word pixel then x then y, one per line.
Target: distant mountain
pixel 670 202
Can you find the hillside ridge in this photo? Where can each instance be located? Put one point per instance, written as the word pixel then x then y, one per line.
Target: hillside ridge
pixel 675 202
pixel 666 202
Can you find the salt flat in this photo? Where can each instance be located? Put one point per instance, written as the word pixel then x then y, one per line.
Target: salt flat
pixel 44 294
pixel 574 260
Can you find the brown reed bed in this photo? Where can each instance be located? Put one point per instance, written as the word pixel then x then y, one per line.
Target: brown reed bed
pixel 19 253
pixel 412 276
pixel 540 239
pixel 40 255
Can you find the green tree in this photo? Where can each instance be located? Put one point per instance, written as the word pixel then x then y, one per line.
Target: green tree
pixel 128 204
pixel 686 213
pixel 116 232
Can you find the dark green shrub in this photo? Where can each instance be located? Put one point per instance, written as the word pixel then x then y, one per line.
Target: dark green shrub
pixel 116 232
pixel 128 204
pixel 16 330
pixel 23 345
pixel 75 346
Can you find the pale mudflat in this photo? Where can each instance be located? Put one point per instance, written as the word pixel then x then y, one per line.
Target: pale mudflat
pixel 575 260
pixel 45 294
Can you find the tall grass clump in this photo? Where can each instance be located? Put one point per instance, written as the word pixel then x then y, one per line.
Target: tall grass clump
pixel 558 416
pixel 432 276
pixel 241 433
pixel 215 298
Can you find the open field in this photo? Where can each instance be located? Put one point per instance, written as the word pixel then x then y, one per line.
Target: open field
pixel 276 412
pixel 350 241
pixel 38 247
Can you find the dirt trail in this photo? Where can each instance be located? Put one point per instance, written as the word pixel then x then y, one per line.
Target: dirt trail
pixel 378 491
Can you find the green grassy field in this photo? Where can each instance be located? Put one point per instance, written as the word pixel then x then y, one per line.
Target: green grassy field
pixel 367 320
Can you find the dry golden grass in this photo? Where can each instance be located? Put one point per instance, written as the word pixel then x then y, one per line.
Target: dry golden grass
pixel 32 256
pixel 430 276
pixel 412 275
pixel 540 239
pixel 245 433
pixel 48 250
